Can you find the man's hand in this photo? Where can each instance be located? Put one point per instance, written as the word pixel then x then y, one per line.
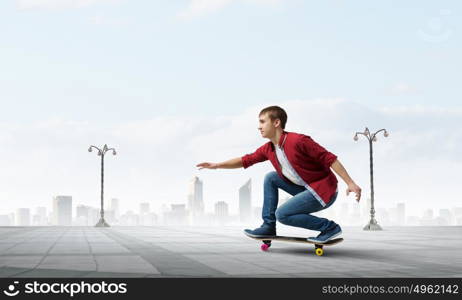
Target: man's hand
pixel 207 165
pixel 229 164
pixel 353 187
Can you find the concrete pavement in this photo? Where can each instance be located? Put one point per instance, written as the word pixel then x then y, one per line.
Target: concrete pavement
pixel 225 252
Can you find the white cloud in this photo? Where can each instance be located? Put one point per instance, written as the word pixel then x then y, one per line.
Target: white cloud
pixel 58 4
pixel 201 7
pixel 198 8
pixel 417 164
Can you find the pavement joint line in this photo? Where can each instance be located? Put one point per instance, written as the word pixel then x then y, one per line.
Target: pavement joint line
pixel 91 250
pixel 203 234
pixel 20 233
pixel 45 255
pixel 237 259
pixel 70 254
pixel 121 236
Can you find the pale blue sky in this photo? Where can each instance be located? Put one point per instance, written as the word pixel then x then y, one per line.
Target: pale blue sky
pixel 133 60
pixel 172 83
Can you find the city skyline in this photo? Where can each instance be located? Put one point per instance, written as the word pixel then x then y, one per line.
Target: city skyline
pixel 192 212
pixel 356 217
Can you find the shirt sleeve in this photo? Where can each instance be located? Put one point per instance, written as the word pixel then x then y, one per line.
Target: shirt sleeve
pixel 317 152
pixel 258 156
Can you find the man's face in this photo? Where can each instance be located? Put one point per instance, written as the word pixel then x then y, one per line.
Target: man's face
pixel 267 127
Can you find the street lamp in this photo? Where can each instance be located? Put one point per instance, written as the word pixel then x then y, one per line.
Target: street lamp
pixel 372 225
pixel 102 152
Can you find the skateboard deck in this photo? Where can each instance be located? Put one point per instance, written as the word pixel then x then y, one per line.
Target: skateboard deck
pixel 318 246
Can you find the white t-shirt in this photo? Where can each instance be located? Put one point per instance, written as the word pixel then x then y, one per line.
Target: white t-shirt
pixel 287 168
pixel 289 172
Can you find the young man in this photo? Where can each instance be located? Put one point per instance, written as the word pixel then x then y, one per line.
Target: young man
pixel 303 169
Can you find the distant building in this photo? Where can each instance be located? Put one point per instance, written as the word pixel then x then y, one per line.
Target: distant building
pixel 382 216
pixel 177 216
pixel 86 215
pixel 5 220
pixel 412 221
pixel 428 214
pixel 245 201
pixel 148 219
pixel 428 218
pixel 144 208
pixel 343 216
pixel 22 217
pixel 354 216
pixel 221 215
pixel 397 215
pixel 129 219
pixel 115 206
pixel 81 216
pixel 82 211
pixel 221 209
pixel 445 217
pixel 457 213
pixel 458 221
pixel 40 217
pixel 401 214
pixel 109 216
pixel 62 210
pixel 256 212
pixel 195 198
pixel 365 210
pixel 94 215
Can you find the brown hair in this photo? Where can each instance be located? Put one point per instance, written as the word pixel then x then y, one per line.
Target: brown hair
pixel 275 112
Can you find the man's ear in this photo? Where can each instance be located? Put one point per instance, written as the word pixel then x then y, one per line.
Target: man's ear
pixel 277 123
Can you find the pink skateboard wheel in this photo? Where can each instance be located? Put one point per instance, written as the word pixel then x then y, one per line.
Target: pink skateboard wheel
pixel 264 247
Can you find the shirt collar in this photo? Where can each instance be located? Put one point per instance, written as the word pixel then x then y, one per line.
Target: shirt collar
pixel 282 139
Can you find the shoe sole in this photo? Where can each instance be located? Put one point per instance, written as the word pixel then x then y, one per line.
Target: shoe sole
pixel 331 238
pixel 259 236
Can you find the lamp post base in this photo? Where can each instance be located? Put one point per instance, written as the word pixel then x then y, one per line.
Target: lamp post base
pixel 372 226
pixel 102 223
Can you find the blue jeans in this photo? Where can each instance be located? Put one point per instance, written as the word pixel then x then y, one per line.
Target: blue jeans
pixel 297 210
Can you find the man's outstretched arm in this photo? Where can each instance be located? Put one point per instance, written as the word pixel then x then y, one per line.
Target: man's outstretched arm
pixel 352 186
pixel 229 164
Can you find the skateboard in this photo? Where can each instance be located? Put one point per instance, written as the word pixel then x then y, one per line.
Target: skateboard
pixel 318 246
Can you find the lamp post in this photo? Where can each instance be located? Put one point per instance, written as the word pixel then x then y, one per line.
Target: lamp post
pixel 372 225
pixel 102 152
